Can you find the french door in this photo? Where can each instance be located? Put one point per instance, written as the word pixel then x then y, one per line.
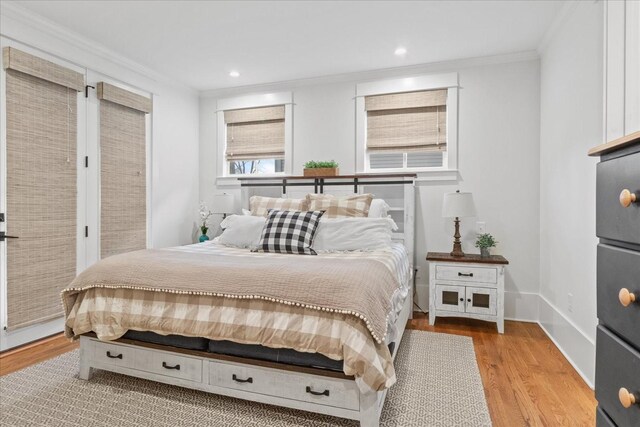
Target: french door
pixel 73 184
pixel 42 187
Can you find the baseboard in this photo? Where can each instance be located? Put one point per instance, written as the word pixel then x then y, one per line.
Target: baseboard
pixel 575 345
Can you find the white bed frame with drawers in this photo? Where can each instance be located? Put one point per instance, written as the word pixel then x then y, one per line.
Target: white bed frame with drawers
pixel 308 389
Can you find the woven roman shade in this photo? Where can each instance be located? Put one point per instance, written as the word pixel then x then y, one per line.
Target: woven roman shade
pixel 123 188
pixel 108 92
pixel 41 132
pixel 17 60
pixel 403 122
pixel 255 133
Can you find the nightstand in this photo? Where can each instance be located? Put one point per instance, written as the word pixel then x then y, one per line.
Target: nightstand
pixel 469 286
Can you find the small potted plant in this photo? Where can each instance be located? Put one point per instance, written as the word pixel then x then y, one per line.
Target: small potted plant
pixel 205 213
pixel 319 169
pixel 485 242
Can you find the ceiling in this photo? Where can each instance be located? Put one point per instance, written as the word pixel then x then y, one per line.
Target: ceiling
pixel 199 43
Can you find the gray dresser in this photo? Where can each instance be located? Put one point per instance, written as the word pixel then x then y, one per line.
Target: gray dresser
pixel 618 334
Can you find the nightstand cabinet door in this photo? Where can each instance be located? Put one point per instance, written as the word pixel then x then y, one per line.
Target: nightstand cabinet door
pixel 481 300
pixel 450 298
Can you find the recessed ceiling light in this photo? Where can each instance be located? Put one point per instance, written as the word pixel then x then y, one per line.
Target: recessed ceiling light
pixel 234 73
pixel 400 51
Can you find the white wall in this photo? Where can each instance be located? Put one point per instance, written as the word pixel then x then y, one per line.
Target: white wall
pixel 175 138
pixel 498 159
pixel 570 124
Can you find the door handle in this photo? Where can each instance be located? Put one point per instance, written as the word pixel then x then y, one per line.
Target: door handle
pixel 3 236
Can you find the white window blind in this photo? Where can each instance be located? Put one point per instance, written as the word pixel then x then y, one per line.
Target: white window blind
pixel 255 133
pixel 407 122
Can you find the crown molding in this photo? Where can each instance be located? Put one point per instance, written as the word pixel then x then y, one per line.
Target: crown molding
pixel 369 75
pixel 12 11
pixel 558 22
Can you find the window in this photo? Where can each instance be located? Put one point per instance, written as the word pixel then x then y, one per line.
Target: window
pixel 255 140
pixel 406 130
pixel 254 135
pixel 407 124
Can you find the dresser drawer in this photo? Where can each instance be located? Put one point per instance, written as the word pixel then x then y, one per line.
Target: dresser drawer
pixel 170 365
pixel 619 269
pixel 467 274
pixel 617 366
pixel 113 354
pixel 613 221
pixel 602 419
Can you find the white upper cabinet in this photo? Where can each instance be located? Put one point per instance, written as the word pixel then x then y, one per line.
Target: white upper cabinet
pixel 622 68
pixel 632 68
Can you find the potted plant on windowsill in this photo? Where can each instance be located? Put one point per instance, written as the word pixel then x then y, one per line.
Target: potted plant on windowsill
pixel 485 242
pixel 320 169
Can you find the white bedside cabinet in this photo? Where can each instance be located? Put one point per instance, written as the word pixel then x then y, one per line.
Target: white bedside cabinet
pixel 469 286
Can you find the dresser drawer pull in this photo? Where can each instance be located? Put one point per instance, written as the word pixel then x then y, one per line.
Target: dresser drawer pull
pixel 627 197
pixel 114 356
pixel 318 393
pixel 465 274
pixel 165 366
pixel 627 399
pixel 626 297
pixel 238 380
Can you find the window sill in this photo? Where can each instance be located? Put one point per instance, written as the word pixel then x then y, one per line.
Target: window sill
pixel 424 175
pixel 233 181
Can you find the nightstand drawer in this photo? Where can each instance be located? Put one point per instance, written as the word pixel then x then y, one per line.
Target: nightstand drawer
pixel 465 273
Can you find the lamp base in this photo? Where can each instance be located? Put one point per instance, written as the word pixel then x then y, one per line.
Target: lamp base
pixel 457 245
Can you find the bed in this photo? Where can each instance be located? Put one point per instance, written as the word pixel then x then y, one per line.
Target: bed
pixel 316 333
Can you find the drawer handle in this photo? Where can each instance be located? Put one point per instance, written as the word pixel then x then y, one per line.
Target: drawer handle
pixel 626 297
pixel 627 399
pixel 627 197
pixel 165 366
pixel 318 393
pixel 465 274
pixel 111 356
pixel 238 380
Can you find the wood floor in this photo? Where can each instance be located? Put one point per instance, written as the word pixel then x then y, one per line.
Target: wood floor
pixel 527 381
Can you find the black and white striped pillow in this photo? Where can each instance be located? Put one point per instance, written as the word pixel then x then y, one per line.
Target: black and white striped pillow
pixel 289 232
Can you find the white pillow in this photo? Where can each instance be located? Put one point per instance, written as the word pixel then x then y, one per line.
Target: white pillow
pixel 378 209
pixel 352 234
pixel 241 231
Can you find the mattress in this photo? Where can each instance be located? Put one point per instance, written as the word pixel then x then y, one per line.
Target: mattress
pixel 249 351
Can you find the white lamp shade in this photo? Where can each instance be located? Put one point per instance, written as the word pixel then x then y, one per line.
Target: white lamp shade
pixel 458 205
pixel 224 203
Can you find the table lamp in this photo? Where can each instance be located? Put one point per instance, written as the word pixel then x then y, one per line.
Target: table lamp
pixel 458 205
pixel 224 204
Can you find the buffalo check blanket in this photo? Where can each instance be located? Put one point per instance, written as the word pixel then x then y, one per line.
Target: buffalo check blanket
pixel 107 302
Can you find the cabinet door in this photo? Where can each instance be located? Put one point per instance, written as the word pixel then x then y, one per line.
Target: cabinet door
pixel 480 301
pixel 450 298
pixel 632 68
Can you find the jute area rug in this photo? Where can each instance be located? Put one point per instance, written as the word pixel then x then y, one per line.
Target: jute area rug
pixel 438 384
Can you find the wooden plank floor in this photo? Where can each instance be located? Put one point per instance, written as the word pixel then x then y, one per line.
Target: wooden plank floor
pixel 527 381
